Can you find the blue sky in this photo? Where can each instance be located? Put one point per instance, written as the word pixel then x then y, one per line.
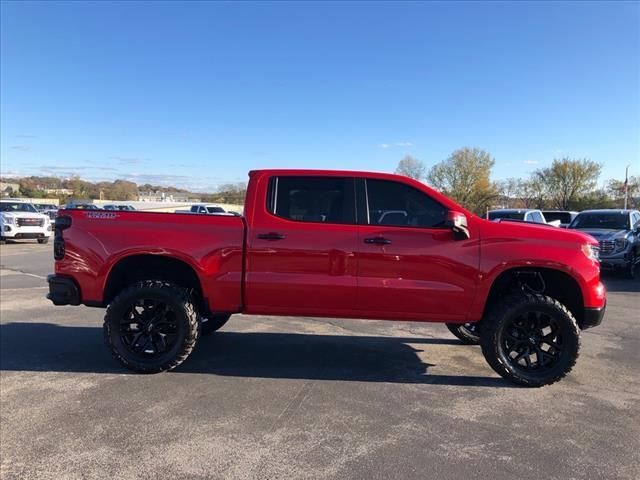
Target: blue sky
pixel 197 94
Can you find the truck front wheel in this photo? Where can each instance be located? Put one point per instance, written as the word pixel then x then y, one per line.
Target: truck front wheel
pixel 466 332
pixel 151 326
pixel 530 339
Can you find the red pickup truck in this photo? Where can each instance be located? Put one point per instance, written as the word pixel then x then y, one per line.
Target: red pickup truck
pixel 333 244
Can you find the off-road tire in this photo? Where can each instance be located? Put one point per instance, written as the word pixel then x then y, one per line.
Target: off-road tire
pixel 186 319
pixel 502 315
pixel 214 323
pixel 42 241
pixel 466 332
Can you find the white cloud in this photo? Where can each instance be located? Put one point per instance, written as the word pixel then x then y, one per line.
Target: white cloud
pixel 530 162
pixel 397 144
pixel 128 160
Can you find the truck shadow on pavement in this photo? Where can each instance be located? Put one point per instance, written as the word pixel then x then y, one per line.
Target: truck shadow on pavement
pixel 45 347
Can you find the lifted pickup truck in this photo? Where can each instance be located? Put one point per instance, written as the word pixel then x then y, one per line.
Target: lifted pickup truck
pixel 333 244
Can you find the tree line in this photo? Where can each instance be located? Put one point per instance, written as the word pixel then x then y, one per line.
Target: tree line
pixel 567 184
pixel 465 176
pixel 123 190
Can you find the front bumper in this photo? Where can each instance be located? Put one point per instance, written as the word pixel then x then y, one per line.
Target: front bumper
pixel 592 317
pixel 63 291
pixel 613 263
pixel 12 231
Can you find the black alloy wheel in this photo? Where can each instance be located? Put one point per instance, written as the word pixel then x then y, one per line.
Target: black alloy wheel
pixel 533 341
pixel 149 328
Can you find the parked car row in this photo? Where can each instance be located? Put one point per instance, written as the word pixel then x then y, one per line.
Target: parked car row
pixel 617 231
pixel 208 209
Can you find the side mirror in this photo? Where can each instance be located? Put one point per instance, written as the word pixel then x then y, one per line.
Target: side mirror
pixel 457 221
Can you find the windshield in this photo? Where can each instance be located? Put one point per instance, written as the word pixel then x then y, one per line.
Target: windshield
pixel 17 207
pixel 606 220
pixel 509 215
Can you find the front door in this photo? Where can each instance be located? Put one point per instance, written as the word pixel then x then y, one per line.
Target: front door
pixel 409 264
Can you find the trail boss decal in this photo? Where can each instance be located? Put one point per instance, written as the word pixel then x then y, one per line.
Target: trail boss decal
pixel 102 215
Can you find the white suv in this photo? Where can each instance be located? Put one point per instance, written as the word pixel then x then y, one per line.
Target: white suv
pixel 20 219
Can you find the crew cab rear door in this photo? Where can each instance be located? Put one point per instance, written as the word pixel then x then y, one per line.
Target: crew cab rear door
pixel 409 264
pixel 301 246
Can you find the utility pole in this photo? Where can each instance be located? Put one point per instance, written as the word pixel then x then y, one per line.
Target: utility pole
pixel 626 186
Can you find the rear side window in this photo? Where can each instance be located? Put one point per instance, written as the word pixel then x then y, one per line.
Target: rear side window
pixel 312 199
pixel 396 204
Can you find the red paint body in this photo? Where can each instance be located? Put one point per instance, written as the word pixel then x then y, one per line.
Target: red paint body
pixel 323 269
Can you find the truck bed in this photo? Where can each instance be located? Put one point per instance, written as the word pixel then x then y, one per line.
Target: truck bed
pixel 211 245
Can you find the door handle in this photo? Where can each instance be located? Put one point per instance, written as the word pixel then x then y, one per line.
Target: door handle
pixel 270 236
pixel 377 241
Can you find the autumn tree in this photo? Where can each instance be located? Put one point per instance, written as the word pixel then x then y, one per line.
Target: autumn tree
pixel 510 190
pixel 566 180
pixel 466 177
pixel 233 193
pixel 411 167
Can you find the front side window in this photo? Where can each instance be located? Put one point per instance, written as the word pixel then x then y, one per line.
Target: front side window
pixel 312 199
pixel 396 204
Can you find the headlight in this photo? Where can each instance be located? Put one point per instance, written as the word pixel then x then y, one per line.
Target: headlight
pixel 591 251
pixel 9 220
pixel 621 244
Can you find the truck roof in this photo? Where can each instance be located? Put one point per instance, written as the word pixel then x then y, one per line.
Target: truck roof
pixel 332 173
pixel 610 210
pixel 515 210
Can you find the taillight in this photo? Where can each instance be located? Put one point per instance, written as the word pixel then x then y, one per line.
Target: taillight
pixel 62 223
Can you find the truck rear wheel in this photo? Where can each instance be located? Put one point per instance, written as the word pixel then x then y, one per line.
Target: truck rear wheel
pixel 151 327
pixel 530 339
pixel 466 332
pixel 214 323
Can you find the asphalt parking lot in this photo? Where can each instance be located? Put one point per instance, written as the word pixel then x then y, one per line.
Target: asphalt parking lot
pixel 270 397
